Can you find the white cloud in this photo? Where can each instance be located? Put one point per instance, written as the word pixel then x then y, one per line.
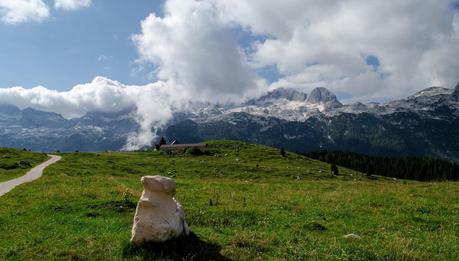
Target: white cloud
pixel 416 44
pixel 71 5
pixel 99 95
pixel 104 58
pixel 311 43
pixel 20 11
pixel 153 104
pixel 192 46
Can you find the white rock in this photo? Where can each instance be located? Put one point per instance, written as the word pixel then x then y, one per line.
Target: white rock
pixel 354 236
pixel 158 217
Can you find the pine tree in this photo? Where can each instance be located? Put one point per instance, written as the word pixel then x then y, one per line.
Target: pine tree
pixel 283 153
pixel 334 169
pixel 162 141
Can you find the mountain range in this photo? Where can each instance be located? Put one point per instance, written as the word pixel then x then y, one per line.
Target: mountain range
pixel 423 124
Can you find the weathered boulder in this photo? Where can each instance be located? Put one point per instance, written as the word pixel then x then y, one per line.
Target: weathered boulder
pixel 158 217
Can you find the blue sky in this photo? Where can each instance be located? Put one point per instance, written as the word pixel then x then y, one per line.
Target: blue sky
pixel 347 46
pixel 73 47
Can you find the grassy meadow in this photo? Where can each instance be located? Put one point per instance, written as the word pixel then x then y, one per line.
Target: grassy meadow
pixel 15 163
pixel 242 202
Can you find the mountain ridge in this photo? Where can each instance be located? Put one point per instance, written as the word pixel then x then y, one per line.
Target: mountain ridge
pixel 423 124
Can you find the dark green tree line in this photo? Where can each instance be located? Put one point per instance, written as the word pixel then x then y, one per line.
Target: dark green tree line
pixel 413 168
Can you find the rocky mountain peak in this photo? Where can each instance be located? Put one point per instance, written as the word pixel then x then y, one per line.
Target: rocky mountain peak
pixel 431 92
pixel 321 95
pixel 285 93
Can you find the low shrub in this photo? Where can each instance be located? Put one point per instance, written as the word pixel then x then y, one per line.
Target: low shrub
pixel 9 166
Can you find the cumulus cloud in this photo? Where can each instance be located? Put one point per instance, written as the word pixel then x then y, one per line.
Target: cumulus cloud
pixel 20 11
pixel 326 43
pixel 99 95
pixel 194 47
pixel 310 43
pixel 71 4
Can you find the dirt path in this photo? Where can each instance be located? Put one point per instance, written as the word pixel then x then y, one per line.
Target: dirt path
pixel 31 175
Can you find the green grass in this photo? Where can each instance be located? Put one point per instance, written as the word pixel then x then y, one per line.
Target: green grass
pixel 283 209
pixel 15 163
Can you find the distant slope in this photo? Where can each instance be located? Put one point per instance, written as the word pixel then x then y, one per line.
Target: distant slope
pixel 398 134
pixel 15 163
pixel 424 124
pixel 45 131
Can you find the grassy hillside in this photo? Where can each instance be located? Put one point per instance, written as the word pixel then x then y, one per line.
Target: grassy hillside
pixel 244 202
pixel 15 163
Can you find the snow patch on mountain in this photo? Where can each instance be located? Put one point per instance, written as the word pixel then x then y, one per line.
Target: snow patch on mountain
pixel 431 92
pixel 292 105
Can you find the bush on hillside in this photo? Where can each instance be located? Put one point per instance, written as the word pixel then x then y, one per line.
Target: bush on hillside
pixel 9 165
pixel 283 153
pixel 194 151
pixel 198 152
pixel 334 169
pixel 25 164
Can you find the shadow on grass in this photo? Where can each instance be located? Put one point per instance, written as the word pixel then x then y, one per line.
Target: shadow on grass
pixel 184 248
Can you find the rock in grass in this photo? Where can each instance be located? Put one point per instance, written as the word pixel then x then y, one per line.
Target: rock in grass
pixel 315 226
pixel 158 217
pixel 353 236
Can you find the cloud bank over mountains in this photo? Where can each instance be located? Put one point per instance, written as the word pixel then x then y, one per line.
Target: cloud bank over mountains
pixel 212 50
pixel 328 43
pixel 153 104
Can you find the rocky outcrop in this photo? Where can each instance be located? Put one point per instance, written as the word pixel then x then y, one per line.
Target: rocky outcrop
pixel 158 217
pixel 325 97
pixel 285 93
pixel 321 95
pixel 456 92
